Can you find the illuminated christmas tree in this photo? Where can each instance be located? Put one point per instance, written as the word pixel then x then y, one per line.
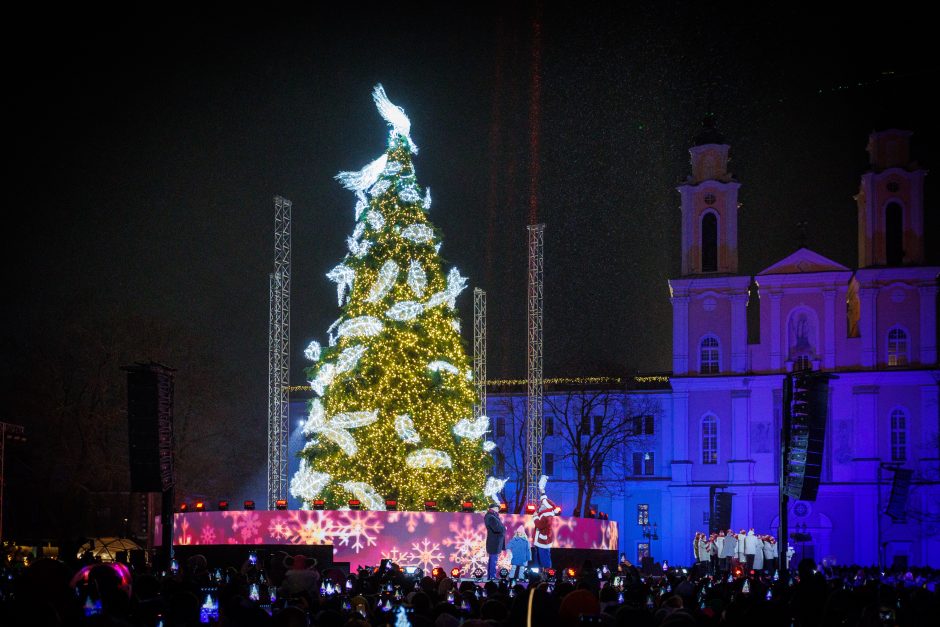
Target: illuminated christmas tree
pixel 393 413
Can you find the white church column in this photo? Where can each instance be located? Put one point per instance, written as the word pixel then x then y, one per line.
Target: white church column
pixel 775 330
pixel 829 343
pixel 738 332
pixel 928 328
pixel 740 466
pixel 868 328
pixel 680 335
pixel 681 464
pixel 866 432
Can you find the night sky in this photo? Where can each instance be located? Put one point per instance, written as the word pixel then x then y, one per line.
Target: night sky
pixel 147 147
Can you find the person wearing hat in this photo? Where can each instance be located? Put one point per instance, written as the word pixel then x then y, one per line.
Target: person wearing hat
pixel 544 531
pixel 300 577
pixel 519 547
pixel 495 538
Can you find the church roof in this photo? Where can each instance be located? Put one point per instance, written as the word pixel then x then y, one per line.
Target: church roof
pixel 802 261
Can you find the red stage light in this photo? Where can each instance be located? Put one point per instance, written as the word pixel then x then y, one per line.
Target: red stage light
pixel 355 504
pixel 455 572
pixel 249 505
pixel 551 572
pixel 184 507
pixel 467 507
pixel 592 513
pixel 280 504
pixel 319 504
pixel 437 572
pixel 391 505
pixel 530 508
pixel 430 506
pixel 503 508
pixel 223 506
pixel 200 506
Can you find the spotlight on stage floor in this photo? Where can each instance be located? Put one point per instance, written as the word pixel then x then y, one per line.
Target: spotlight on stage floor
pixel 437 573
pixel 319 504
pixel 223 506
pixel 530 508
pixel 280 504
pixel 355 504
pixel 478 574
pixel 430 506
pixel 455 573
pixel 200 506
pixel 503 573
pixel 391 505
pixel 503 508
pixel 183 508
pixel 533 574
pixel 467 507
pixel 248 505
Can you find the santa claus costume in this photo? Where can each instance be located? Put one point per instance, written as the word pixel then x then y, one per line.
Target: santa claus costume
pixel 544 528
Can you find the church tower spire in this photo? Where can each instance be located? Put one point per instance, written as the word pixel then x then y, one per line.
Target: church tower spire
pixel 709 205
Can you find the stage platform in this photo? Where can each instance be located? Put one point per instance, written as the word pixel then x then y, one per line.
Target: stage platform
pixel 364 538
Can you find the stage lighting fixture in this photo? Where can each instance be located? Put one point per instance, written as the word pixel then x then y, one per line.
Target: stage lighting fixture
pixel 437 573
pixel 530 508
pixel 478 573
pixel 430 506
pixel 200 506
pixel 592 513
pixel 550 572
pixel 223 506
pixel 391 505
pixel 355 504
pixel 455 572
pixel 533 573
pixel 184 507
pixel 503 508
pixel 280 504
pixel 503 572
pixel 319 504
pixel 248 505
pixel 572 573
pixel 410 570
pixel 467 507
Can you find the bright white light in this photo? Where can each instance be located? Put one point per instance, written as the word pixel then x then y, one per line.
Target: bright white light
pixel 353 419
pixel 455 325
pixel 330 333
pixel 364 178
pixel 468 375
pixel 493 487
pixel 341 438
pixel 366 494
pixel 405 428
pixel 359 231
pixel 417 279
pixel 361 204
pixel 384 282
pixel 393 168
pixel 455 285
pixel 439 365
pixel 394 115
pixel 472 429
pixel 409 194
pixel 358 248
pixel 427 199
pixel 380 187
pixel 307 483
pixel 363 326
pixel 418 233
pixel 348 359
pixel 376 219
pixel 405 310
pixel 428 458
pixel 489 445
pixel 324 378
pixel 312 352
pixel 343 277
pixel 316 420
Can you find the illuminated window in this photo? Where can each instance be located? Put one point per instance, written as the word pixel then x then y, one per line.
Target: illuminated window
pixel 709 439
pixel 643 514
pixel 897 347
pixel 643 463
pixel 709 355
pixel 898 435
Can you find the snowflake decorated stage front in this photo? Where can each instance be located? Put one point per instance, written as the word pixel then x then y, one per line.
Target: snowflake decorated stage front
pixel 364 538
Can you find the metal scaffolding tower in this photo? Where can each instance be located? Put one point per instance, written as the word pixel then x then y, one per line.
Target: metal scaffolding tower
pixel 479 351
pixel 279 355
pixel 534 370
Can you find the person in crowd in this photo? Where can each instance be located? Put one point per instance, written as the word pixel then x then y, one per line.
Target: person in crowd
pixel 495 538
pixel 301 577
pixel 521 552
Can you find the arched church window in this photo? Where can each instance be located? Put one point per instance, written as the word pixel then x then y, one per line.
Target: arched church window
pixel 709 242
pixel 709 439
pixel 894 234
pixel 898 435
pixel 853 310
pixel 709 355
pixel 897 347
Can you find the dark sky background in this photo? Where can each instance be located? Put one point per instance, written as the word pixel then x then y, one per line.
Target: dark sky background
pixel 148 144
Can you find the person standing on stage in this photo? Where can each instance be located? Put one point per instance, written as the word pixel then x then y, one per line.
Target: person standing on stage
pixel 521 552
pixel 495 538
pixel 728 550
pixel 711 547
pixel 544 532
pixel 739 547
pixel 750 550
